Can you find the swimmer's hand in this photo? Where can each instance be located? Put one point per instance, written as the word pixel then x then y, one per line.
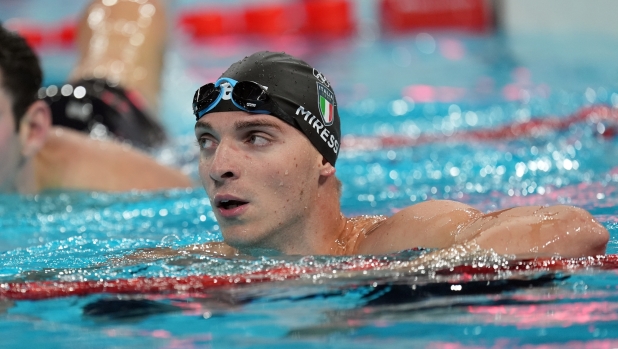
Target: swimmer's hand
pixel 212 249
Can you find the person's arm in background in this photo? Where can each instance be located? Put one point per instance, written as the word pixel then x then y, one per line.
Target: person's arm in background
pixel 123 42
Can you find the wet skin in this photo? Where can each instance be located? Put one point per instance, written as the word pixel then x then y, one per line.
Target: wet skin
pixel 262 177
pixel 267 188
pixel 524 232
pixel 41 157
pixel 10 154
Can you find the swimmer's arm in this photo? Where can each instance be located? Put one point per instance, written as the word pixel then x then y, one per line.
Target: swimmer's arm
pixel 538 231
pixel 522 231
pixel 212 249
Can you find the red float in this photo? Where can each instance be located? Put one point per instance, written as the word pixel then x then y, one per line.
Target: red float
pixel 326 18
pixel 202 23
pixel 270 20
pixel 332 18
pixel 400 16
pixel 329 18
pixel 37 35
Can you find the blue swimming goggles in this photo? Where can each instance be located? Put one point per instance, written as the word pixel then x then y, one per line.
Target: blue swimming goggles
pixel 248 96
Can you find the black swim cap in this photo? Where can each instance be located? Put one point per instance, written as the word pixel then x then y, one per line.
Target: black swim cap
pixel 299 90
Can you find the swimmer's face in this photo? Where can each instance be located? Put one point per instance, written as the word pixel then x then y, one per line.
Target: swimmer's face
pixel 10 149
pixel 260 174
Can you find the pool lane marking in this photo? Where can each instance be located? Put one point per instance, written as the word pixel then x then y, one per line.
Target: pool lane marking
pixel 38 290
pixel 532 128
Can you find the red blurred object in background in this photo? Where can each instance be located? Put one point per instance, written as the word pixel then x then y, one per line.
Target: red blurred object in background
pixel 32 33
pixel 400 16
pixel 332 18
pixel 266 20
pixel 37 35
pixel 201 23
pixel 328 18
pixel 67 33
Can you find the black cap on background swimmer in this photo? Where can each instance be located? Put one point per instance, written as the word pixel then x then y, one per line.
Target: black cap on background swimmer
pixel 299 90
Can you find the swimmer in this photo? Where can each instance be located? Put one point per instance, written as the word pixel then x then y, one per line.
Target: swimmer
pixel 114 88
pixel 269 133
pixel 37 156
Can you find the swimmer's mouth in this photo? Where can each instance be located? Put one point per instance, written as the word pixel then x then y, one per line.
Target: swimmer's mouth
pixel 229 204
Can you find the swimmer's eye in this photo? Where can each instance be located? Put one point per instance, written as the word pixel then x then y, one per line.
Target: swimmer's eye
pixel 205 143
pixel 258 140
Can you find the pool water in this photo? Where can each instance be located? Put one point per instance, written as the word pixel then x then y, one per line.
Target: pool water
pixel 405 86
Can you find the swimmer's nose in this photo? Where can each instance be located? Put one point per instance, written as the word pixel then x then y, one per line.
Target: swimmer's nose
pixel 223 165
pixel 219 177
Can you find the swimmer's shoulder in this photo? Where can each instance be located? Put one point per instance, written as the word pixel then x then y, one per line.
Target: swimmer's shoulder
pixel 82 163
pixel 429 224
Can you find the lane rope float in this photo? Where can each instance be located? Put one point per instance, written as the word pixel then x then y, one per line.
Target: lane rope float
pixel 593 114
pixel 38 290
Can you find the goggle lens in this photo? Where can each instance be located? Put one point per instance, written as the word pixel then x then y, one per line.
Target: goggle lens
pixel 205 96
pixel 250 95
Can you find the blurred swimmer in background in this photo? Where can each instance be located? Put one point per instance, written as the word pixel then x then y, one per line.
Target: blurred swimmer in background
pixel 114 89
pixel 114 92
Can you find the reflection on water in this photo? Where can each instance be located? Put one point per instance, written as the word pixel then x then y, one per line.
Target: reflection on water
pixel 393 87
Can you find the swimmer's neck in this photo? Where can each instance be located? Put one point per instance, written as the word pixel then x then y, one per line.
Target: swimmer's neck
pixel 43 170
pixel 26 181
pixel 50 167
pixel 343 240
pixel 315 231
pixel 320 236
pixel 325 225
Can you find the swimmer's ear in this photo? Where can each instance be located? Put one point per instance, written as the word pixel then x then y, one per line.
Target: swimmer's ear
pixel 326 169
pixel 34 128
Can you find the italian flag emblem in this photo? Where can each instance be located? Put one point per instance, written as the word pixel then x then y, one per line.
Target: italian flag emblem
pixel 326 103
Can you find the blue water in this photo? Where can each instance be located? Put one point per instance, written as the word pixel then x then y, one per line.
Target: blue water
pixel 83 236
